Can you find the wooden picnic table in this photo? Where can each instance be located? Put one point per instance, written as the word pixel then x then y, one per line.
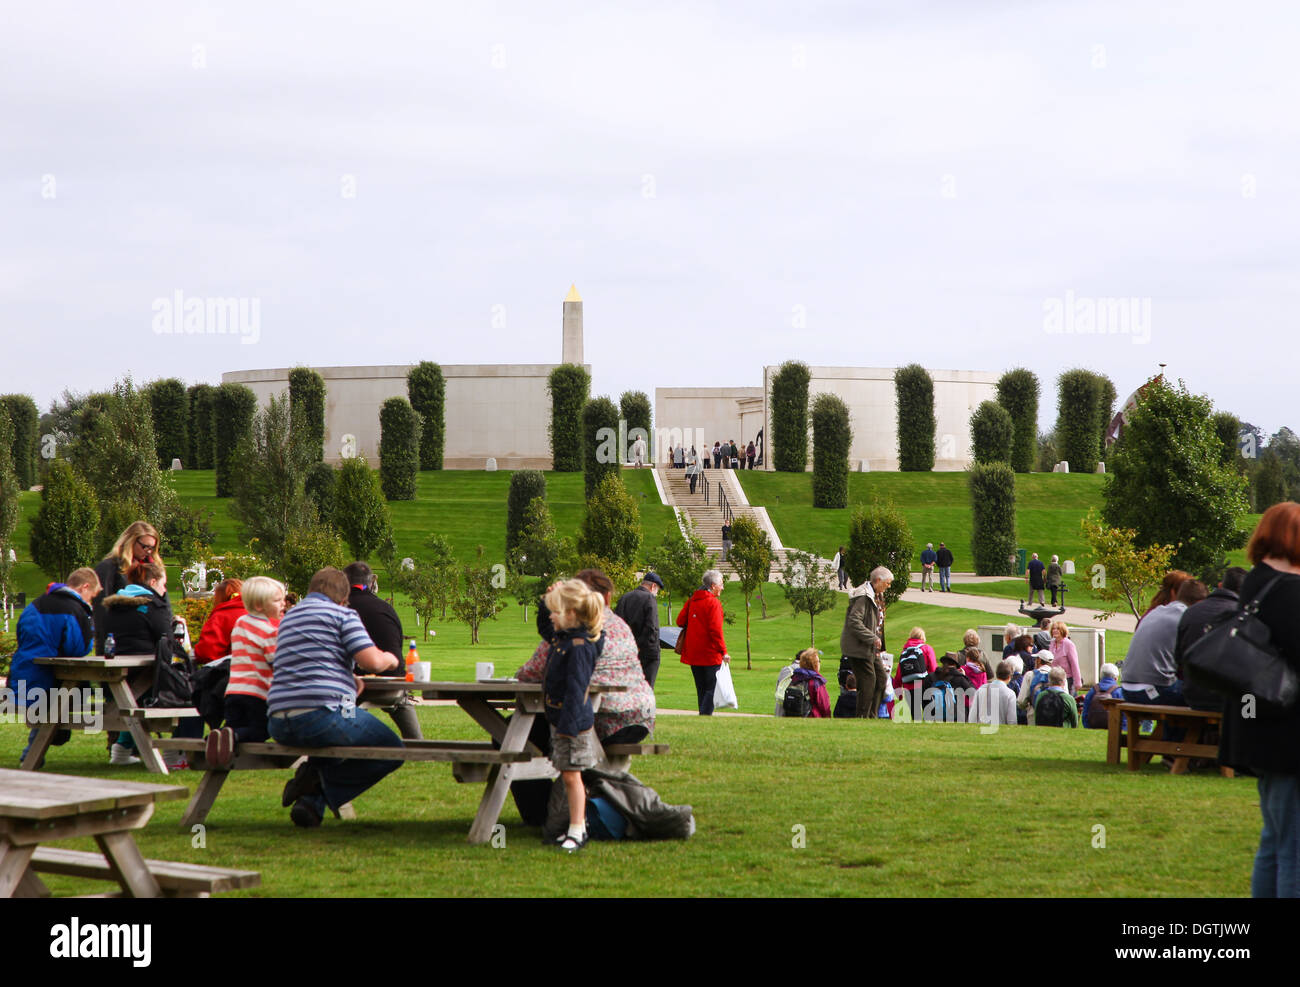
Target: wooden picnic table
pixel 124 679
pixel 1194 723
pixel 41 808
pixel 507 756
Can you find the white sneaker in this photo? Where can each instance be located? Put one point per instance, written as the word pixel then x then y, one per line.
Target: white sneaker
pixel 122 755
pixel 175 760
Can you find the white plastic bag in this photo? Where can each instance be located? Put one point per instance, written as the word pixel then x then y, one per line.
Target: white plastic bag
pixel 724 693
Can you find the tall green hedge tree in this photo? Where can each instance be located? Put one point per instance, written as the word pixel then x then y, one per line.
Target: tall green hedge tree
pixel 202 398
pixel 569 386
pixel 427 391
pixel 600 452
pixel 307 391
pixel 9 509
pixel 1077 415
pixel 1017 392
pixel 635 406
pixel 993 519
pixel 399 449
pixel 233 408
pixel 1105 410
pixel 789 439
pixel 171 421
pixel 269 471
pixel 832 439
pixel 992 434
pixel 914 393
pixel 525 487
pixel 24 417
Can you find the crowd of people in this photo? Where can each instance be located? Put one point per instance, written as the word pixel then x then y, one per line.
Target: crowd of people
pixel 723 455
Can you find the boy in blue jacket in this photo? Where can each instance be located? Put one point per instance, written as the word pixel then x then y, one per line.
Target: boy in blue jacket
pixel 56 624
pixel 578 615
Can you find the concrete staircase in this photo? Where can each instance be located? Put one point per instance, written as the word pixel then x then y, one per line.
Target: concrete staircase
pixel 708 517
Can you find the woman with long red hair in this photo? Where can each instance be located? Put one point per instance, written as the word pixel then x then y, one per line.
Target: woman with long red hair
pixel 1268 745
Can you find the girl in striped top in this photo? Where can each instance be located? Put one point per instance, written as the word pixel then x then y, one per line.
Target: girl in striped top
pixel 252 650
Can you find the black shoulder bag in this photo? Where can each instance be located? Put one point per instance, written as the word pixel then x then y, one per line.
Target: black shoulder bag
pixel 1238 658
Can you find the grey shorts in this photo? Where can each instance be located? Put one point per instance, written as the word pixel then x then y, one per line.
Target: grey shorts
pixel 573 753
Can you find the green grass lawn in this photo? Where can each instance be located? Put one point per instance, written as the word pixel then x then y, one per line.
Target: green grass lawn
pixel 1049 508
pixel 883 809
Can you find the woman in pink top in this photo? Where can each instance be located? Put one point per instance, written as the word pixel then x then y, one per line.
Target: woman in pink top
pixel 1064 654
pixel 252 650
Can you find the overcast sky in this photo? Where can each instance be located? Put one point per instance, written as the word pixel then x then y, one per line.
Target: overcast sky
pixel 729 185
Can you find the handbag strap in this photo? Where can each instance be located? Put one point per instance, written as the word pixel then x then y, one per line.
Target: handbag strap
pixel 1252 608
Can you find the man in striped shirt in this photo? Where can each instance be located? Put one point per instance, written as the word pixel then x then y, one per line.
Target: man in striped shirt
pixel 312 700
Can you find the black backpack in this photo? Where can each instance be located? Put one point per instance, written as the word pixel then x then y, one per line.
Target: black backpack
pixel 911 664
pixel 1050 711
pixel 797 701
pixel 173 679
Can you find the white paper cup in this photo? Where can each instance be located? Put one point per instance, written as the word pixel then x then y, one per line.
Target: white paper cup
pixel 484 670
pixel 423 670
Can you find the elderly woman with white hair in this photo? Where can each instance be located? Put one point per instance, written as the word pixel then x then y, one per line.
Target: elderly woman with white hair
pixel 703 647
pixel 1095 715
pixel 862 639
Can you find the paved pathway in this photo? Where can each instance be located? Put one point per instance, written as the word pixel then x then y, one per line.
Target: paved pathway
pixel 1011 608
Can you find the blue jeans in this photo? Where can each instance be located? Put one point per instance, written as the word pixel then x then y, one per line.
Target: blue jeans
pixel 1276 873
pixel 341 780
pixel 944 572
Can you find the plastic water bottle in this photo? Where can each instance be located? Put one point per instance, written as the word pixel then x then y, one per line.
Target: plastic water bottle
pixel 110 646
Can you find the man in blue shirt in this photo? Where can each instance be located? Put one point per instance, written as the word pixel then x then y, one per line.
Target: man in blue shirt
pixel 312 699
pixel 928 559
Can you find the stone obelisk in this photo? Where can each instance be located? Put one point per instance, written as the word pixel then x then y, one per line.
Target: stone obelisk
pixel 572 352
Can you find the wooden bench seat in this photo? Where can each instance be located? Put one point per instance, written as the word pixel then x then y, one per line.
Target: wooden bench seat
pixel 178 880
pixel 1141 749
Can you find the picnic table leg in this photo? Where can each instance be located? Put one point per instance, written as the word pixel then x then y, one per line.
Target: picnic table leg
pixel 128 866
pixel 13 867
pixel 204 796
pixel 31 886
pixel 498 780
pixel 121 694
pixel 44 734
pixel 1192 735
pixel 1113 732
pixel 1134 736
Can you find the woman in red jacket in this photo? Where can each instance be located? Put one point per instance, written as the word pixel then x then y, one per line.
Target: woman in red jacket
pixel 703 647
pixel 227 608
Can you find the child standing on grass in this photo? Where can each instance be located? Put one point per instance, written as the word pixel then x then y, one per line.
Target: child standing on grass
pixel 252 650
pixel 578 614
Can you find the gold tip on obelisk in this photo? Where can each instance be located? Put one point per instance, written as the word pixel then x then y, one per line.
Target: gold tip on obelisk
pixel 573 295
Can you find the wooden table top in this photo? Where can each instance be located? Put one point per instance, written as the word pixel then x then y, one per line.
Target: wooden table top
pixel 36 795
pixel 92 662
pixel 500 689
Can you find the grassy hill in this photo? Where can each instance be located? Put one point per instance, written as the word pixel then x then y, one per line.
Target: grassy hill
pixel 468 507
pixel 1049 507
